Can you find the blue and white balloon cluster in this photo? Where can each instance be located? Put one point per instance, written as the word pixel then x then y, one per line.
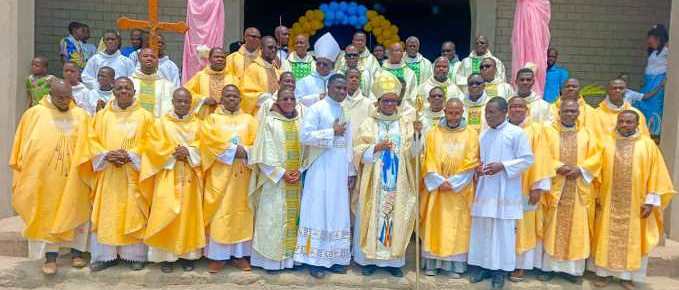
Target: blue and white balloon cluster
pixel 344 13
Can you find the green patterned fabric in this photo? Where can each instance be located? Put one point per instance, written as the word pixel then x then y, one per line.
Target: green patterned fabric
pixel 476 64
pixel 397 72
pixel 415 66
pixel 37 89
pixel 300 69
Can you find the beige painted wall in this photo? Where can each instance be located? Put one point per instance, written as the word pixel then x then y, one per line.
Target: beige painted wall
pixel 16 27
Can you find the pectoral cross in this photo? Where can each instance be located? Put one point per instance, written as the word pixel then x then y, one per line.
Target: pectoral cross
pixel 153 26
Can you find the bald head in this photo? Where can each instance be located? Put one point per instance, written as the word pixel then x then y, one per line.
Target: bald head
pixel 251 36
pixel 268 48
pixel 301 45
pixel 61 94
pixel 359 40
pixel 454 111
pixel 281 33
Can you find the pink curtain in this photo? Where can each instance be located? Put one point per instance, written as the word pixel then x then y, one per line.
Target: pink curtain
pixel 530 38
pixel 206 27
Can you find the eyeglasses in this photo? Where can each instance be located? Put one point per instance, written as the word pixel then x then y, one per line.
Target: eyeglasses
pixel 474 83
pixel 389 102
pixel 351 55
pixel 322 63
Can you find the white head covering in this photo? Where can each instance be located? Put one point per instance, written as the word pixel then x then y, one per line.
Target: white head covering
pixel 327 47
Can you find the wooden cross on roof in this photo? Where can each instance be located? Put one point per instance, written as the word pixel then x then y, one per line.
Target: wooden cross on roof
pixel 152 25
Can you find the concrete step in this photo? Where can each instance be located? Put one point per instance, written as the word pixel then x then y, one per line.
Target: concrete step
pixel 12 243
pixel 20 273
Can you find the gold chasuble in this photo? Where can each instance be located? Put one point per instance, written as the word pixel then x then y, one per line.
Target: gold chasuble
pixel 43 156
pixel 176 221
pixel 446 216
pixel 225 205
pixel 606 118
pixel 276 203
pixel 475 112
pixel 529 227
pixel 153 93
pixel 586 117
pixel 387 201
pixel 208 83
pixel 237 62
pixel 568 208
pixel 260 77
pixel 120 209
pixel 633 173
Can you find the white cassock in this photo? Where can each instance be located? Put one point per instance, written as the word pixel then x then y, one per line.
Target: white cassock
pixel 80 95
pixel 122 66
pixel 94 96
pixel 308 90
pixel 324 235
pixel 166 67
pixel 498 202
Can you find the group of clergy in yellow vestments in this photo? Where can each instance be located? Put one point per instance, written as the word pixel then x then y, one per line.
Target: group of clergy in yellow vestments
pixel 219 173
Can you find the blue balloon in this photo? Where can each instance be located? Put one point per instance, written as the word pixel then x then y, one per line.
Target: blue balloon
pixel 353 20
pixel 353 7
pixel 343 6
pixel 324 8
pixel 362 20
pixel 362 9
pixel 333 6
pixel 327 22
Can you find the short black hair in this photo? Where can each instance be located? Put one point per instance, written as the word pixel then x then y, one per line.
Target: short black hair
pixel 500 102
pixel 336 77
pixel 107 68
pixel 73 25
pixel 212 51
pixel 525 70
pixel 633 112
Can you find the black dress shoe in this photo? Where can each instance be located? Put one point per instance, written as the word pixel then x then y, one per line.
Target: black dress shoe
pixel 166 267
pixel 100 266
pixel 317 272
pixel 368 270
pixel 545 276
pixel 187 265
pixel 395 271
pixel 338 269
pixel 498 281
pixel 478 275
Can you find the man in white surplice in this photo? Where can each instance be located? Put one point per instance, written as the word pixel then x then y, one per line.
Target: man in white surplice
pixel 110 57
pixel 324 234
pixel 312 88
pixel 505 155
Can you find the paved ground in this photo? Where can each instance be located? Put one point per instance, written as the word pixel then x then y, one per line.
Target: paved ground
pixel 21 273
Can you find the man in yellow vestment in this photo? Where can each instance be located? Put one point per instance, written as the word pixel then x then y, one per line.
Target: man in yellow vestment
pixel 237 62
pixel 450 157
pixel 275 195
pixel 265 101
pixel 225 138
pixel 571 91
pixel 42 156
pixel 472 63
pixel 475 103
pixel 433 114
pixel 261 77
pixel 397 67
pixel 635 188
pixel 420 65
pixel 206 86
pixel 153 92
pixel 366 60
pixel 299 62
pixel 566 208
pixel 440 79
pixel 171 175
pixel 534 181
pixel 539 108
pixel 495 87
pixel 120 209
pixel 606 115
pixel 385 150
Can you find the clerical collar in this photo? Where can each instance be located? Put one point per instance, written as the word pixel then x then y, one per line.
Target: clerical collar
pixel 141 75
pixel 532 97
pixel 612 106
pixel 488 54
pixel 468 101
pixel 443 123
pixel 418 58
pixel 630 137
pixel 293 57
pixel 434 81
pixel 501 126
pixel 389 65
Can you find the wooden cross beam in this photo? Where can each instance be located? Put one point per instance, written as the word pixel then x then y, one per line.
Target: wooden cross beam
pixel 152 25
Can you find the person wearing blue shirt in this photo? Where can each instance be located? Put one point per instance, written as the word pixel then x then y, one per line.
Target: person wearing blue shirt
pixel 136 42
pixel 556 76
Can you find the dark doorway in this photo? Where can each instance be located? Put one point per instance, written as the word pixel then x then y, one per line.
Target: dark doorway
pixel 431 21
